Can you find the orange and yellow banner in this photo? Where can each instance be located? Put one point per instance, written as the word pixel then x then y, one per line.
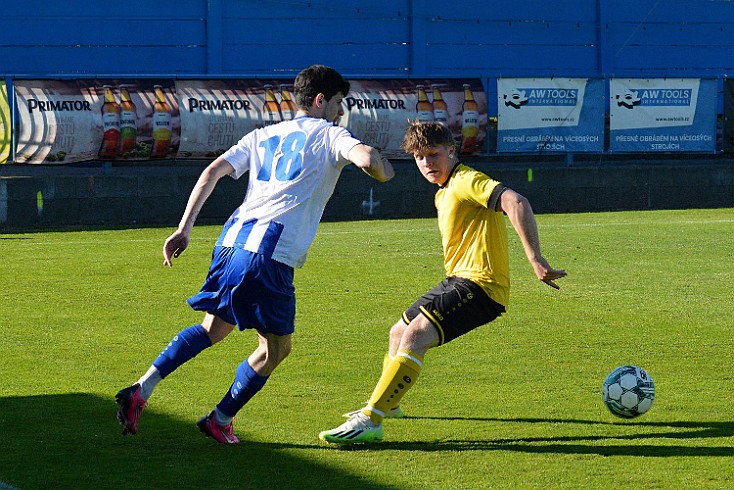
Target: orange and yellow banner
pixel 62 121
pixel 5 126
pixel 377 111
pixel 215 114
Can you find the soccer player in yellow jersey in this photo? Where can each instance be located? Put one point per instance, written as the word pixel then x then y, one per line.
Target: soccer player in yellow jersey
pixel 476 290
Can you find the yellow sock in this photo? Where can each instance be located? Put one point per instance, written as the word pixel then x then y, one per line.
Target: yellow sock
pixel 386 360
pixel 398 376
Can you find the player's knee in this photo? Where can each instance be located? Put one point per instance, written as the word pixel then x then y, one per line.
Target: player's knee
pixel 420 335
pixel 277 353
pixel 216 328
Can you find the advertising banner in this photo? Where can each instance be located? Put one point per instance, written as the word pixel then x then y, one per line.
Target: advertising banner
pixel 215 114
pixel 729 115
pixel 662 115
pixel 62 121
pixel 5 125
pixel 550 115
pixel 377 111
pixel 56 122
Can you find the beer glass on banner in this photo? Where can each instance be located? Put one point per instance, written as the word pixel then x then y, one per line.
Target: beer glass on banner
pixel 469 121
pixel 423 108
pixel 271 109
pixel 287 106
pixel 110 124
pixel 161 124
pixel 440 109
pixel 128 122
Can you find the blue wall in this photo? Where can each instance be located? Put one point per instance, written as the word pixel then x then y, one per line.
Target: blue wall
pixel 483 39
pixel 368 38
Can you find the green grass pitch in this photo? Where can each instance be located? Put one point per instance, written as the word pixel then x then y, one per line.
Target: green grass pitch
pixel 514 404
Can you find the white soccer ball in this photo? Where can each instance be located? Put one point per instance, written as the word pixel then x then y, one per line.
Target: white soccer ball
pixel 628 392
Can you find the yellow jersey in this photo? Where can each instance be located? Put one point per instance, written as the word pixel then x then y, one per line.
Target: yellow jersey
pixel 474 237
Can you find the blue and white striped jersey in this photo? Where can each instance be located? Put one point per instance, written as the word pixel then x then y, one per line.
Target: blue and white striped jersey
pixel 293 169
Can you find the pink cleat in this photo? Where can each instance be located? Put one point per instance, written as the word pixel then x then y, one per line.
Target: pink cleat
pixel 221 433
pixel 130 406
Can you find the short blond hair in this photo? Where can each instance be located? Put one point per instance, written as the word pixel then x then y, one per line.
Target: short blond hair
pixel 422 135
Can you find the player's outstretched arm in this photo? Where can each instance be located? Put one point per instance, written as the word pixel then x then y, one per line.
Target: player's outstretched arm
pixel 179 240
pixel 520 214
pixel 371 162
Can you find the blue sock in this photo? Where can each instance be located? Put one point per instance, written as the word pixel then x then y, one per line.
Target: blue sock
pixel 246 384
pixel 184 347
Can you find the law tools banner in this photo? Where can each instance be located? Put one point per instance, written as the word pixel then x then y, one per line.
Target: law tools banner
pixel 662 115
pixel 541 115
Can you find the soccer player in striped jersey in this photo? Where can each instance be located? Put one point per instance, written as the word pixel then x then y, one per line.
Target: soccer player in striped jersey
pixel 292 168
pixel 476 290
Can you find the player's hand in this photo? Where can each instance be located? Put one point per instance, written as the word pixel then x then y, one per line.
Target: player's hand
pixel 546 273
pixel 174 246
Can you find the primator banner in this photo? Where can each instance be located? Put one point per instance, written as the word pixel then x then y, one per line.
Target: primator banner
pixel 377 111
pixel 62 121
pixel 662 115
pixel 5 126
pixel 215 114
pixel 550 115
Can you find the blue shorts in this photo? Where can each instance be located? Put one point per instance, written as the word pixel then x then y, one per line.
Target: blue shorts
pixel 249 290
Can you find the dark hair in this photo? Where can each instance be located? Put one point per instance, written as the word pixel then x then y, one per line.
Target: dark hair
pixel 315 80
pixel 421 135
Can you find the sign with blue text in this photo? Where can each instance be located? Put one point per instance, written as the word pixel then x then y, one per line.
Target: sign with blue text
pixel 543 115
pixel 662 115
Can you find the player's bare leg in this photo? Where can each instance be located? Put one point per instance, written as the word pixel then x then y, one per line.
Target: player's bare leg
pixel 186 345
pixel 250 378
pixel 398 376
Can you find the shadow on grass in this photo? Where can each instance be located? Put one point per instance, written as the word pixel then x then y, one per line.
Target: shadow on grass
pixel 74 441
pixel 588 444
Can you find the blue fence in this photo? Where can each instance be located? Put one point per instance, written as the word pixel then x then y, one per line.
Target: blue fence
pixel 411 38
pixel 485 39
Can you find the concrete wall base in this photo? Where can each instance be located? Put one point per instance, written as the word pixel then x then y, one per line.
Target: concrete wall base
pixel 33 197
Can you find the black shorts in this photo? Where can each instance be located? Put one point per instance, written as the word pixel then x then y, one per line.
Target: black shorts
pixel 455 307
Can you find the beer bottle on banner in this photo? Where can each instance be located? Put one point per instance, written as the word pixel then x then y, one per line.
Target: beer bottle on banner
pixel 271 109
pixel 161 124
pixel 110 124
pixel 440 109
pixel 128 122
pixel 424 108
pixel 469 121
pixel 287 106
